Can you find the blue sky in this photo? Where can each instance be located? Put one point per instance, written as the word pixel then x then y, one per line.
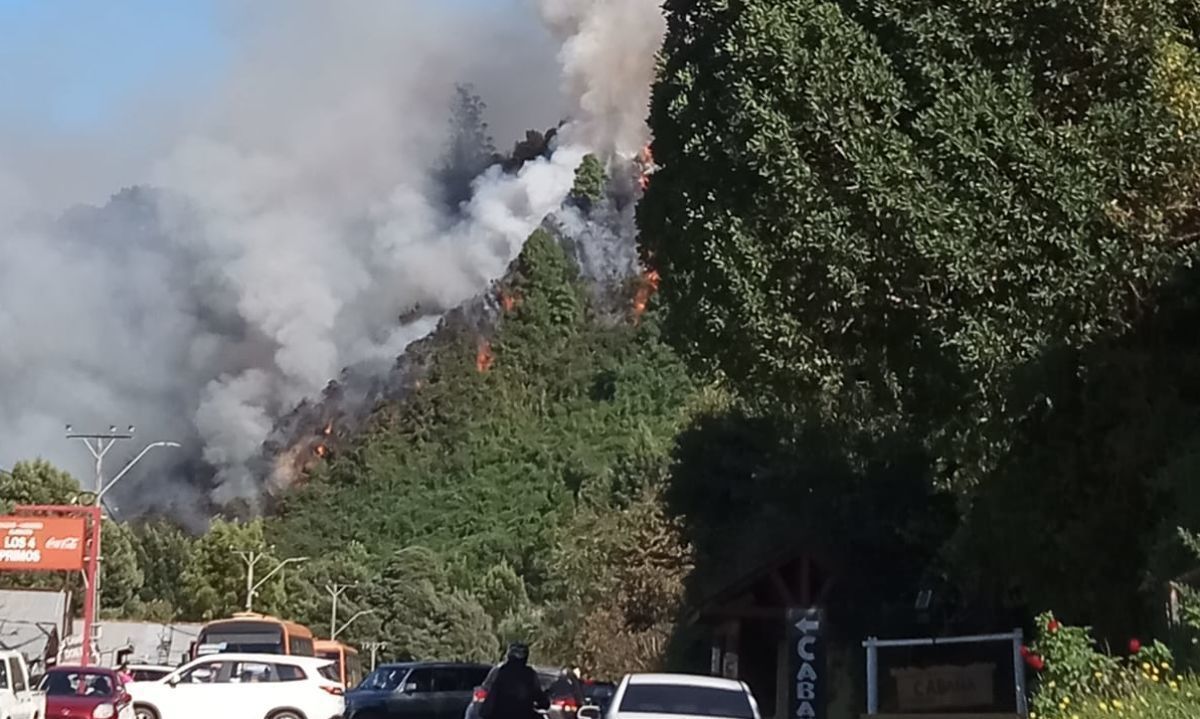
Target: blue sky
pixel 75 65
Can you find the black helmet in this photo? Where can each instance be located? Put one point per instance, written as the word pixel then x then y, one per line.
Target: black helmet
pixel 518 651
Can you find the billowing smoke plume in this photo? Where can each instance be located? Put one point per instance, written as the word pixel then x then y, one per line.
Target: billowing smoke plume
pixel 291 227
pixel 608 59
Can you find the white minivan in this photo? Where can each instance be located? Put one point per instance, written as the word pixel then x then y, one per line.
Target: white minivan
pixel 19 699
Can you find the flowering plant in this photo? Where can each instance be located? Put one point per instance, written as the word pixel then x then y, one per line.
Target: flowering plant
pixel 1077 681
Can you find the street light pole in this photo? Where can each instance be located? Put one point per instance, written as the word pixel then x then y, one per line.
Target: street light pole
pixel 99 445
pixel 335 592
pixel 253 558
pixel 350 621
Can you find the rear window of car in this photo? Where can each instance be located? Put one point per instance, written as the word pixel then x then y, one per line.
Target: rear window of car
pixel 66 683
pixel 330 672
pixel 678 699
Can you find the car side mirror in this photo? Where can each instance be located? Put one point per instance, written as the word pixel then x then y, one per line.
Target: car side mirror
pixel 590 711
pixel 173 681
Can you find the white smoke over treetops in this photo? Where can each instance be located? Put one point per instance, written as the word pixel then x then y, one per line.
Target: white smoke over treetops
pixel 608 54
pixel 292 223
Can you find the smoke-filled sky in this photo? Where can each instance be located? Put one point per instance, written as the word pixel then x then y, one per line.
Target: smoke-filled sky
pixel 103 88
pixel 292 146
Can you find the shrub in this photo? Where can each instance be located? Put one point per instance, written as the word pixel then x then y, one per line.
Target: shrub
pixel 1078 681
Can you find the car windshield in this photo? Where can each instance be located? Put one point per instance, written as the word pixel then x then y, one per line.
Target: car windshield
pixel 677 699
pixel 247 643
pixel 61 684
pixel 385 679
pixel 599 691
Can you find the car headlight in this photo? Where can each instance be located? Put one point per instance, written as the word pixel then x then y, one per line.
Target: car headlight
pixel 104 711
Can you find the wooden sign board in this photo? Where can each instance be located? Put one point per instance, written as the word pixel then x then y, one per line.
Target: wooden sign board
pixel 945 687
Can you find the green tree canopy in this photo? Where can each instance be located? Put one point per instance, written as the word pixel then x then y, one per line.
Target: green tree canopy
pixel 37 482
pixel 884 213
pixel 215 577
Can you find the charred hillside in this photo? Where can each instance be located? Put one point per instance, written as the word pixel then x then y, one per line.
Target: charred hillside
pixel 550 390
pixel 595 231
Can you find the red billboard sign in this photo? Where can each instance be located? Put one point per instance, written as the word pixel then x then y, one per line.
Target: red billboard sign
pixel 41 544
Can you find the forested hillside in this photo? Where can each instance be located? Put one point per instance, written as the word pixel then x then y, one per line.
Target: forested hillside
pixel 516 491
pixel 928 305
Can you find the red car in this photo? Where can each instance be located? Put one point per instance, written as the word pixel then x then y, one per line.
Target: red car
pixel 85 693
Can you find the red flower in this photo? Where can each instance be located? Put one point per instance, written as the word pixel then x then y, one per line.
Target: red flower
pixel 1053 626
pixel 1035 662
pixel 1135 646
pixel 1026 651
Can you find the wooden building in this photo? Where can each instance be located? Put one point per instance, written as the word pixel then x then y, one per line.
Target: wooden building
pixel 752 637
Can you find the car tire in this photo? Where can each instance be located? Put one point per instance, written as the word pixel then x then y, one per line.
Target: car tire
pixel 285 714
pixel 145 711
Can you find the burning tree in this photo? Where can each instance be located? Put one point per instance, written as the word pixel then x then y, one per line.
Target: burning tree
pixel 470 148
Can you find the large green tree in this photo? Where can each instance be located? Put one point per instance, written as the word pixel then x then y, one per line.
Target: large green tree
pixel 215 576
pixel 885 214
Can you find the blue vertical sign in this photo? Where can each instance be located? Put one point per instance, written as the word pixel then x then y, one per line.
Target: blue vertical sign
pixel 806 698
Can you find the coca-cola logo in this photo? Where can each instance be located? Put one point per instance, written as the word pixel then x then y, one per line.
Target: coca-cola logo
pixel 65 543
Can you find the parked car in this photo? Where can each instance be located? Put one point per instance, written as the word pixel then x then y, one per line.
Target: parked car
pixel 85 693
pixel 418 690
pixel 643 695
pixel 149 672
pixel 546 677
pixel 243 686
pixel 18 698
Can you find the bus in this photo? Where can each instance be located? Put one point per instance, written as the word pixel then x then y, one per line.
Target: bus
pixel 345 657
pixel 256 634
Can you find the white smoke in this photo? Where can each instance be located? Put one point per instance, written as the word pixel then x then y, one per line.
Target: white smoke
pixel 289 227
pixel 608 57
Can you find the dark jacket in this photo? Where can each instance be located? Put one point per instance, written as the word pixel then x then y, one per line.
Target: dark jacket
pixel 566 685
pixel 515 693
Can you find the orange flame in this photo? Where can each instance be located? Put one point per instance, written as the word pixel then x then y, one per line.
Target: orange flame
pixel 321 451
pixel 645 291
pixel 484 357
pixel 645 160
pixel 328 429
pixel 508 301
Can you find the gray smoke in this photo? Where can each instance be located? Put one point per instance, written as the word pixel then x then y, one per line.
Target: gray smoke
pixel 608 55
pixel 288 228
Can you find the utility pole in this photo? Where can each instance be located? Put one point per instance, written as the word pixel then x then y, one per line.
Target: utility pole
pixel 252 559
pixel 374 647
pixel 99 445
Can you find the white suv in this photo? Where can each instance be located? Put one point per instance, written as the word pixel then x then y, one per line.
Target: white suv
pixel 651 696
pixel 243 686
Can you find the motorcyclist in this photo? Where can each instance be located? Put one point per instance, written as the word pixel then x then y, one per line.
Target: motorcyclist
pixel 515 692
pixel 568 685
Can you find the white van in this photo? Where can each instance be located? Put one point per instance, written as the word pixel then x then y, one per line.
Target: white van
pixel 18 697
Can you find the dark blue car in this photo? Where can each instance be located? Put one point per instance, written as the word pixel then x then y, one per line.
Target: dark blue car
pixel 417 690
